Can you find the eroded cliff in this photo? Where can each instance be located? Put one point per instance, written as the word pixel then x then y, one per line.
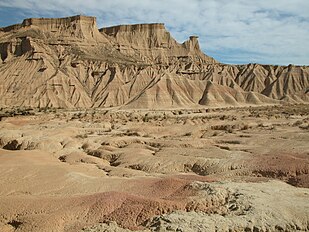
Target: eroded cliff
pixel 69 63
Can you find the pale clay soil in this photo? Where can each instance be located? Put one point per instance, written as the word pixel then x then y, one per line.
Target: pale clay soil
pixel 117 167
pixel 229 169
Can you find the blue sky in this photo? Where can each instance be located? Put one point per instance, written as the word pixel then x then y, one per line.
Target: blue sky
pixel 231 31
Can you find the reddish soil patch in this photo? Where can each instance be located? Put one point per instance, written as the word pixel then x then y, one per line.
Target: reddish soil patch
pixel 195 177
pixel 18 121
pixel 152 197
pixel 291 168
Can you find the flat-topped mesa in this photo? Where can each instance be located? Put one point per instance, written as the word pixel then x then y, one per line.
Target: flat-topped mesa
pixel 79 26
pixel 154 42
pixel 43 22
pixel 132 28
pixel 152 35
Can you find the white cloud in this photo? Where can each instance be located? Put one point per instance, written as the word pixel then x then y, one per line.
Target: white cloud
pixel 241 31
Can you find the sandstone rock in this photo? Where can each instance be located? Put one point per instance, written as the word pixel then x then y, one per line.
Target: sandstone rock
pixel 72 64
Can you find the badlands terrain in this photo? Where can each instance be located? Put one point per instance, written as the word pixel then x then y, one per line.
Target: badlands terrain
pixel 123 128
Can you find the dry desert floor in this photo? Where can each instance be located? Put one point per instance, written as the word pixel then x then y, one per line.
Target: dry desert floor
pixel 223 169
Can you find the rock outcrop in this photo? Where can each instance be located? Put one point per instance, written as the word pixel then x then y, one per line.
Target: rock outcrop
pixel 69 63
pixel 83 27
pixel 152 42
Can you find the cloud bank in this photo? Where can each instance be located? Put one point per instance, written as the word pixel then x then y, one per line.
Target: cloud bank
pixel 237 31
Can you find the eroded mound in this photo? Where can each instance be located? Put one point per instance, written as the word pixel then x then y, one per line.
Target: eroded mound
pixel 243 207
pixel 154 170
pixel 131 211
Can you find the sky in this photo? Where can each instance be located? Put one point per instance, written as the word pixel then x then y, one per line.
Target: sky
pixel 231 31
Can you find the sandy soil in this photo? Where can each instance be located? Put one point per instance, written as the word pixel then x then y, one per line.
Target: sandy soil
pixel 171 170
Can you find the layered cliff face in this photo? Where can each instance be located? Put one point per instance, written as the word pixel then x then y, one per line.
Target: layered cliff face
pixel 152 42
pixel 69 63
pixel 83 27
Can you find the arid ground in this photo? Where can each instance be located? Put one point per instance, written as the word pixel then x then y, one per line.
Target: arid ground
pixel 223 169
pixel 115 129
